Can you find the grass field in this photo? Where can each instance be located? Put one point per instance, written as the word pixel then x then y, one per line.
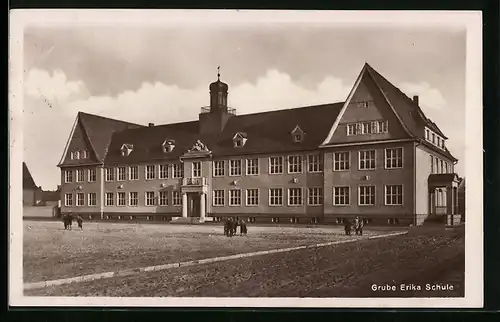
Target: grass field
pixel 346 270
pixel 50 252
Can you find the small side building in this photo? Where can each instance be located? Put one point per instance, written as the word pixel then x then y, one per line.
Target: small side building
pixel 30 189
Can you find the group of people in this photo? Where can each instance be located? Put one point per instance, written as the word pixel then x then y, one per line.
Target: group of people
pixel 68 221
pixel 231 225
pixel 357 226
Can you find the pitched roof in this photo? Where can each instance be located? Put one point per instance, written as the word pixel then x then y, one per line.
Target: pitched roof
pixel 267 132
pixel 28 182
pixel 99 131
pixel 410 113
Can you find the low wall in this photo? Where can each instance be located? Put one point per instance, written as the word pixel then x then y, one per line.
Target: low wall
pixel 38 211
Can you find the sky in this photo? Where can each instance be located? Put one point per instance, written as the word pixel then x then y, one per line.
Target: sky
pixel 161 75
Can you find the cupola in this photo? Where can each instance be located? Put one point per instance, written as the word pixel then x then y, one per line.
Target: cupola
pixel 218 94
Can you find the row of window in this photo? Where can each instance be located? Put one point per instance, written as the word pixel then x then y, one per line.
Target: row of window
pixel 75 155
pixel 434 138
pixel 439 166
pixel 295 197
pixel 341 162
pixel 371 127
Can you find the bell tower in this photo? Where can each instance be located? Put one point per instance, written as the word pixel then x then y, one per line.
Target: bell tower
pixel 214 117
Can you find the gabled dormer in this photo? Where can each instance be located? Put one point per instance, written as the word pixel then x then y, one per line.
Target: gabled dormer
pixel 126 149
pixel 239 139
pixel 168 146
pixel 297 134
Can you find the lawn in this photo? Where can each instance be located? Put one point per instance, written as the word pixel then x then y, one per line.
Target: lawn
pixel 50 252
pixel 346 270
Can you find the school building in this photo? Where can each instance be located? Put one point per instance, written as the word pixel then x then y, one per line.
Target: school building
pixel 376 155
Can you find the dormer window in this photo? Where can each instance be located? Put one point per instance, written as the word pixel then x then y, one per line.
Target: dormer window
pixel 297 134
pixel 168 146
pixel 126 149
pixel 77 155
pixel 72 155
pixel 239 139
pixel 85 154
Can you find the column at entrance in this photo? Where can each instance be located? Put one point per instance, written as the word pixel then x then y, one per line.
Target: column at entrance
pixel 202 206
pixel 184 205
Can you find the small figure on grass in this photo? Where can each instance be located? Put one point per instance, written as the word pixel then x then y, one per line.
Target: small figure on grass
pixel 243 227
pixel 347 226
pixel 358 226
pixel 79 220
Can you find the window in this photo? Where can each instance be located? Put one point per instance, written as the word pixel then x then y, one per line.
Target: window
pixel 72 155
pixel 121 199
pixel 92 199
pixel 77 155
pixel 235 167
pixel 427 134
pixel 366 128
pixel 341 161
pixel 366 195
pixel 176 198
pixel 218 197
pixel 374 127
pixel 315 196
pixel 80 199
pixel 85 154
pixel 341 196
pixel 442 166
pixel 92 175
pixel 163 198
pixel 276 197
pixel 109 199
pixel 436 164
pixel 367 160
pixel 150 172
pixel 133 198
pixel 252 167
pixel 383 126
pixel 178 170
pixel 433 138
pixel 295 196
pixel 163 171
pixel 295 164
pixel 196 170
pixel 68 199
pixel 361 104
pixel 438 141
pixel 68 176
pixel 219 167
pixel 238 143
pixel 297 137
pixel 122 174
pixel 80 175
pixel 351 129
pixel 314 163
pixel 394 158
pixel 432 164
pixel 235 197
pixel 252 197
pixel 394 195
pixel 133 172
pixel 110 174
pixel 150 198
pixel 276 165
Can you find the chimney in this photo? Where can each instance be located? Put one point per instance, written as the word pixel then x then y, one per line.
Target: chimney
pixel 415 99
pixel 151 125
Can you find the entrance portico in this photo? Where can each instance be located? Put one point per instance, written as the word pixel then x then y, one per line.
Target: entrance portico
pixel 443 196
pixel 194 195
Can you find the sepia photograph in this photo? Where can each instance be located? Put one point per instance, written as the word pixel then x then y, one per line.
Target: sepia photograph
pixel 245 158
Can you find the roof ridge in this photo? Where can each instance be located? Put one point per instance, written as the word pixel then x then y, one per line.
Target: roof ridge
pixel 84 128
pixel 108 118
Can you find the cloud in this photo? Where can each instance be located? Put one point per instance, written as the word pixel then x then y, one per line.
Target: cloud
pixel 47 126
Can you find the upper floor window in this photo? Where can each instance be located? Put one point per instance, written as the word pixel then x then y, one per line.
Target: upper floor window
pixel 85 154
pixel 110 174
pixel 367 160
pixel 219 167
pixel 253 167
pixel 80 175
pixel 314 163
pixel 394 158
pixel 77 155
pixel 341 161
pixel 370 127
pixel 235 167
pixel 163 171
pixel 133 172
pixel 122 174
pixel 68 176
pixel 72 155
pixel 92 174
pixel 177 170
pixel 295 164
pixel 196 169
pixel 276 165
pixel 361 104
pixel 150 172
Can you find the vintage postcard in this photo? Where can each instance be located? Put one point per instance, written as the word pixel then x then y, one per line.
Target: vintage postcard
pixel 229 158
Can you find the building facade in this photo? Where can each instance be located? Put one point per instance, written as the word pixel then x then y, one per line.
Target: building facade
pixel 376 155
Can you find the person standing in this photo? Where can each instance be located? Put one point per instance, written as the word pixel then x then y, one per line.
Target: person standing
pixel 79 220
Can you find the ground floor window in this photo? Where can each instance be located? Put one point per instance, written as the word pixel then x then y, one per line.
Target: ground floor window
pixel 394 195
pixel 80 199
pixel 295 197
pixel 235 197
pixel 109 199
pixel 121 201
pixel 133 198
pixel 315 196
pixel 163 198
pixel 276 197
pixel 150 198
pixel 177 198
pixel 92 199
pixel 367 195
pixel 68 199
pixel 341 196
pixel 218 197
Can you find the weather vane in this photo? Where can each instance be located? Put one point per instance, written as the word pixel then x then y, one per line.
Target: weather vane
pixel 218 72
